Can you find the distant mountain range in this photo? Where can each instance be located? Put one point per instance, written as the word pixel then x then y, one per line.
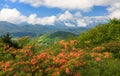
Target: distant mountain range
pixel 35 30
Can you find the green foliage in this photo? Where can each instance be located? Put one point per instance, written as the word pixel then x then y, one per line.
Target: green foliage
pixel 48 39
pixel 94 53
pixel 103 33
pixel 23 41
pixel 114 21
pixel 104 68
pixel 7 39
pixel 61 34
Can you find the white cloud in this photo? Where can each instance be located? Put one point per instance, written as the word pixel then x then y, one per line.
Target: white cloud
pixel 14 16
pixel 78 15
pixel 113 7
pixel 66 4
pixel 84 5
pixel 69 24
pixel 11 15
pixel 114 11
pixel 32 19
pixel 81 23
pixel 93 20
pixel 115 14
pixel 65 16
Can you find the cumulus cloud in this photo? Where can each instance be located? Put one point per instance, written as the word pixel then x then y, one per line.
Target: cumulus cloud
pixel 65 16
pixel 81 23
pixel 66 4
pixel 105 2
pixel 12 15
pixel 86 21
pixel 114 11
pixel 113 8
pixel 84 5
pixel 32 19
pixel 115 14
pixel 78 15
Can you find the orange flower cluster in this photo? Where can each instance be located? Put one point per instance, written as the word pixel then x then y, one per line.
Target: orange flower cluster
pixel 5 65
pixel 67 70
pixel 77 74
pixel 98 49
pixel 52 61
pixel 98 59
pixel 107 55
pixel 62 42
pixel 58 60
pixel 33 61
pixel 73 42
pixel 94 54
pixel 43 55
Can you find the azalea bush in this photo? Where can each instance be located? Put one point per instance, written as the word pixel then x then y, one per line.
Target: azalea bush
pixel 68 60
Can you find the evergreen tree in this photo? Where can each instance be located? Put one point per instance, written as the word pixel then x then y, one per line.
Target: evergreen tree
pixel 7 39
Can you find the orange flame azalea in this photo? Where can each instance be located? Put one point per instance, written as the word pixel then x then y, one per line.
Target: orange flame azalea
pixel 67 70
pixel 98 59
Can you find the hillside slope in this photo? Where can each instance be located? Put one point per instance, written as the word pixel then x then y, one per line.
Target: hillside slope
pixel 94 53
pixel 55 37
pixel 103 33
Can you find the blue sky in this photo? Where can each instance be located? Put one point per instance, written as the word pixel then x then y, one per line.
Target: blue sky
pixel 47 12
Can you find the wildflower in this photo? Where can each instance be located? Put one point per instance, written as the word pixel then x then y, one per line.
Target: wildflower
pixel 98 59
pixel 15 74
pixel 106 55
pixel 73 49
pixel 77 74
pixel 65 45
pixel 67 70
pixel 58 73
pixel 15 52
pixel 92 54
pixel 33 61
pixel 33 70
pixel 27 50
pixel 72 42
pixel 62 42
pixel 37 67
pixel 4 69
pixel 62 61
pixel 10 69
pixel 43 55
pixel 7 64
pixel 97 49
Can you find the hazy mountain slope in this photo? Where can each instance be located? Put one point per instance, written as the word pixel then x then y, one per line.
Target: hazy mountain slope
pixel 35 30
